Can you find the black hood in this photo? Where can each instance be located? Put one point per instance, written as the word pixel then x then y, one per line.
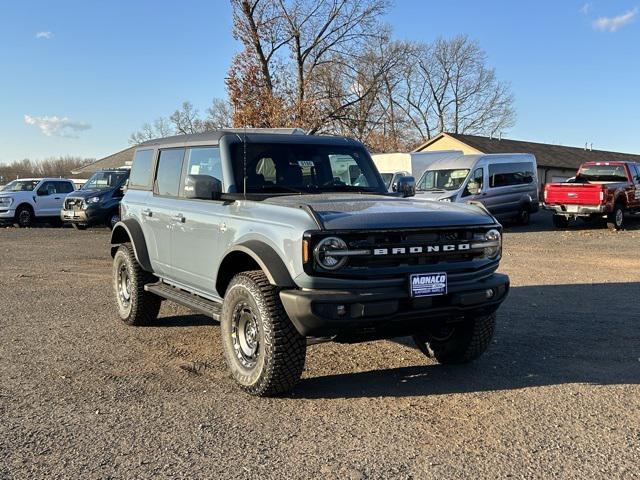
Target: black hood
pixel 90 193
pixel 355 212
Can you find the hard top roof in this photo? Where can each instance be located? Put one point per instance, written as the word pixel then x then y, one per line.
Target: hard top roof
pixel 251 135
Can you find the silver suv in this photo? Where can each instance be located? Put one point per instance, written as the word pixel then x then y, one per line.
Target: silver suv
pixel 289 239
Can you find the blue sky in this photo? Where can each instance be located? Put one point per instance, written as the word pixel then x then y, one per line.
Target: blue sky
pixel 103 68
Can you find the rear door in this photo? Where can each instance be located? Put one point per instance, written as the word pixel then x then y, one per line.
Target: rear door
pixel 508 184
pixel 64 188
pixel 161 208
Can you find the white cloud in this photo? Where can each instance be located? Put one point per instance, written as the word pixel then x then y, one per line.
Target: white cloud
pixel 57 126
pixel 45 35
pixel 612 24
pixel 586 8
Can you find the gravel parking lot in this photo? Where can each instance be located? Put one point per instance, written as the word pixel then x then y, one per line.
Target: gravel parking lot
pixel 557 394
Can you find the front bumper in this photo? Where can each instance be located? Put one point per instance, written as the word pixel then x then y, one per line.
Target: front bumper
pixel 577 210
pixel 388 312
pixel 90 216
pixel 7 214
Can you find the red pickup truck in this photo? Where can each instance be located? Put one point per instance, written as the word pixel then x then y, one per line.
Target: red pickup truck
pixel 600 189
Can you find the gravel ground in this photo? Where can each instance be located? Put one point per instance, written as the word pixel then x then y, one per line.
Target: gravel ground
pixel 557 394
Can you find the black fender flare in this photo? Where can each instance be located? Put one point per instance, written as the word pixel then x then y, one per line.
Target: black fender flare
pixel 129 230
pixel 267 258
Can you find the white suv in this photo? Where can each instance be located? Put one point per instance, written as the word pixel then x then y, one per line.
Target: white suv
pixel 27 199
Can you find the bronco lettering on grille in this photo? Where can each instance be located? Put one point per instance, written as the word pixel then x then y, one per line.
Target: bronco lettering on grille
pixel 459 247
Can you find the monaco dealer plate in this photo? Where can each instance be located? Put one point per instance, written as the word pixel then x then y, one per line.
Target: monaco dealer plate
pixel 428 284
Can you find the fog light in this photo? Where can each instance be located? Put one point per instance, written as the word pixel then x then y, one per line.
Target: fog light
pixel 341 310
pixel 490 293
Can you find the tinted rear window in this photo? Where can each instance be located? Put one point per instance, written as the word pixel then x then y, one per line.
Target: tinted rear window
pixel 509 174
pixel 141 170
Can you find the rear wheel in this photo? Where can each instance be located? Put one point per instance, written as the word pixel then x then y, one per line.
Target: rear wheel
pixel 135 305
pixel 560 221
pixel 458 343
pixel 24 216
pixel 263 350
pixel 615 220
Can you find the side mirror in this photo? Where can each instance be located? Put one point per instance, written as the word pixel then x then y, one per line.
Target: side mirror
pixel 473 188
pixel 202 187
pixel 406 186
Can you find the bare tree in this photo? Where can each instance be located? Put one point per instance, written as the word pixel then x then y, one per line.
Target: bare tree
pixel 185 120
pixel 49 167
pixel 449 87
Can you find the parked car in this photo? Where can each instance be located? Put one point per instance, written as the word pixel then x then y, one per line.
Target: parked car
pixel 264 232
pixel 506 184
pixel 98 201
pixel 412 163
pixel 600 190
pixel 26 200
pixel 390 179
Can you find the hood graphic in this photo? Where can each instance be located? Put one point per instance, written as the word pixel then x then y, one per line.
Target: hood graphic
pixel 352 212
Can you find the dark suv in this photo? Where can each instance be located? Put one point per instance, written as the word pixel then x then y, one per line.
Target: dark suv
pixel 98 201
pixel 292 238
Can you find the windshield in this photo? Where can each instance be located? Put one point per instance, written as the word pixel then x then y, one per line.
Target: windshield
pixel 287 168
pixel 101 180
pixel 442 179
pixel 20 186
pixel 602 173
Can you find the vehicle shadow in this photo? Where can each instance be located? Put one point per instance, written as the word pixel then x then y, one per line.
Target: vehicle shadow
pixel 542 221
pixel 546 335
pixel 188 320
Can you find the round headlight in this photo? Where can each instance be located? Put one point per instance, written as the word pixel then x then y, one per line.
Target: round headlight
pixel 322 253
pixel 493 236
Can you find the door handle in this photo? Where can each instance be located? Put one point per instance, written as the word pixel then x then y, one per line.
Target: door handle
pixel 147 212
pixel 179 218
pixel 56 198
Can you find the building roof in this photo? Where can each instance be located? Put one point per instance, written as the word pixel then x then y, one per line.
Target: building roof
pixel 558 156
pixel 119 159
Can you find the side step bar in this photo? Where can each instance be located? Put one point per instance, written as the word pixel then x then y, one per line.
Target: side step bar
pixel 189 300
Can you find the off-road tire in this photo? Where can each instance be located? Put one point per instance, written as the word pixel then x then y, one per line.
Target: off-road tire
pixel 469 340
pixel 560 221
pixel 142 307
pixel 24 216
pixel 280 351
pixel 615 220
pixel 78 226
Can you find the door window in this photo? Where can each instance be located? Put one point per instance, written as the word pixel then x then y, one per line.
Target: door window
pixel 168 172
pixel 474 186
pixel 47 188
pixel 141 170
pixel 202 161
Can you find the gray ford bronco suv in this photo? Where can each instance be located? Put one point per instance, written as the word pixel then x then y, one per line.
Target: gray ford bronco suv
pixel 291 239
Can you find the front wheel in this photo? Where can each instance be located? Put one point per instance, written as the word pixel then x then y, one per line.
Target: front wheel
pixel 263 350
pixel 524 217
pixel 112 220
pixel 135 305
pixel 24 216
pixel 458 343
pixel 615 220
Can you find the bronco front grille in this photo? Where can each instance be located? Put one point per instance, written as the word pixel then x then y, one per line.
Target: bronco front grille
pixel 395 253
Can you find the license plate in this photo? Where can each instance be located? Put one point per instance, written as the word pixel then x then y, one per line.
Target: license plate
pixel 572 208
pixel 68 213
pixel 428 284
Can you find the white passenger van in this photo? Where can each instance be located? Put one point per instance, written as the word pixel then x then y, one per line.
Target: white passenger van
pixel 506 184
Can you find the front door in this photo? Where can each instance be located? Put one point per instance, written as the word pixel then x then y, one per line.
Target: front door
pixel 200 227
pixel 474 190
pixel 48 200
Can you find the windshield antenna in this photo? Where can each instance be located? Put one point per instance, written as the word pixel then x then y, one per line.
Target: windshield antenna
pixel 244 162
